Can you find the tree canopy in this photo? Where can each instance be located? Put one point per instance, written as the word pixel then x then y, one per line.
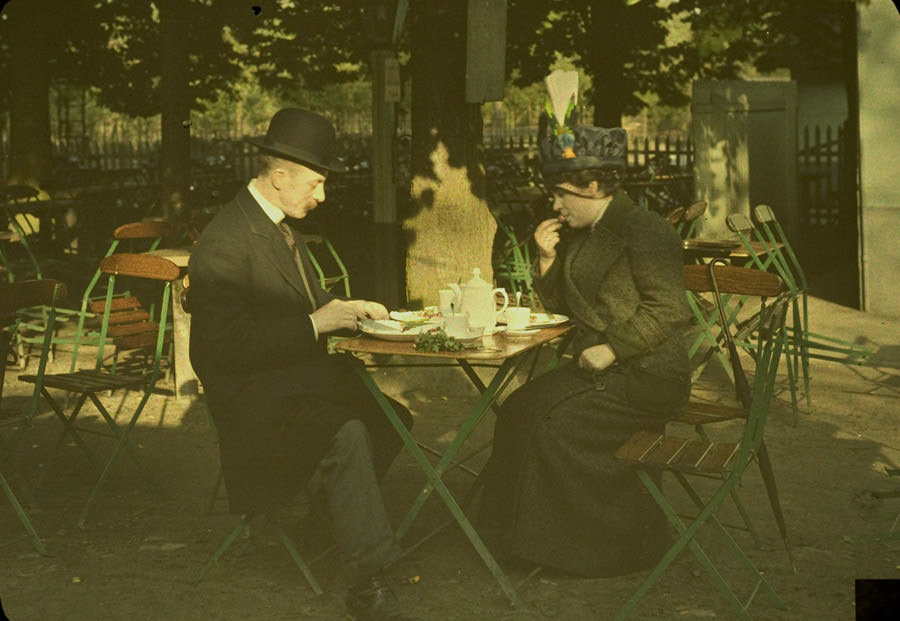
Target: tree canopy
pixel 627 47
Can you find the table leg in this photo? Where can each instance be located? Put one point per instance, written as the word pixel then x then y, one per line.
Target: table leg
pixel 434 479
pixel 489 394
pixel 186 382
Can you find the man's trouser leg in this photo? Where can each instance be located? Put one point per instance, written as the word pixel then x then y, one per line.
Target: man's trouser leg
pixel 362 530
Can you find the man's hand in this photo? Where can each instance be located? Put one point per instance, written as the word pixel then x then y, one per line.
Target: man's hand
pixel 546 236
pixel 336 315
pixel 369 310
pixel 597 358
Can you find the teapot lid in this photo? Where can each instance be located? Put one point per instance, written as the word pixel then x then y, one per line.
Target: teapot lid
pixel 477 282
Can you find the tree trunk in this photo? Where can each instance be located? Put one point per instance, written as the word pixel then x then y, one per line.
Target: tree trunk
pixel 450 230
pixel 605 60
pixel 175 99
pixel 29 118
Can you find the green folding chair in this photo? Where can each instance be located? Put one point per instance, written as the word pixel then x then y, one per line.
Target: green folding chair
pixel 18 227
pixel 812 345
pixel 13 297
pixel 691 458
pixel 764 255
pixel 322 254
pixel 511 209
pixel 747 284
pixel 140 236
pixel 141 335
pixel 687 223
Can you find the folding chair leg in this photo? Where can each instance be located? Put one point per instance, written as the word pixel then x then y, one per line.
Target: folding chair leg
pixel 745 560
pixel 687 539
pixel 768 476
pixel 23 517
pixel 222 549
pixel 68 428
pixel 123 436
pixel 285 541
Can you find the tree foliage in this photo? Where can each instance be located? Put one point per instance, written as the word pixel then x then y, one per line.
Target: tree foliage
pixel 627 48
pixel 621 44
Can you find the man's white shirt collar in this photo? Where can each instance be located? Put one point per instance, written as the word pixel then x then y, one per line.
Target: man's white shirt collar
pixel 274 213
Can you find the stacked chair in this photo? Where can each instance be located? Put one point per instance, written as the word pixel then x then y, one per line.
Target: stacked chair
pixel 724 462
pixel 81 327
pixel 13 298
pixel 140 335
pixel 768 248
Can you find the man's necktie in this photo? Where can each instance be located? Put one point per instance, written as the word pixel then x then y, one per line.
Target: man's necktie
pixel 288 233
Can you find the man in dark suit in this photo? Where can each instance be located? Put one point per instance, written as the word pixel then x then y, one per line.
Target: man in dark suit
pixel 285 409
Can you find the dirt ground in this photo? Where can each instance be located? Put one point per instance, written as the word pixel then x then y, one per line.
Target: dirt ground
pixel 138 554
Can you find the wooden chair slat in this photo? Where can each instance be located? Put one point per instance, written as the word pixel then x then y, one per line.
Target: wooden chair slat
pixel 140 266
pixel 701 413
pixel 718 457
pixel 130 316
pixel 117 304
pixel 636 449
pixel 691 455
pixel 133 328
pixel 732 279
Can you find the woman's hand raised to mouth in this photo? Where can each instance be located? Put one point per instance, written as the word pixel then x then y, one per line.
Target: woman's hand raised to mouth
pixel 546 236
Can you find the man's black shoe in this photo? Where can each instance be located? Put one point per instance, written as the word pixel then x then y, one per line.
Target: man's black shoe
pixel 373 600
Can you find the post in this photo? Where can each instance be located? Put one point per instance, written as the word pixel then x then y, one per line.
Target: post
pixel 387 238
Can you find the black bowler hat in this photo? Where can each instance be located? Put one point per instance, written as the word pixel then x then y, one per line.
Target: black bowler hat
pixel 301 136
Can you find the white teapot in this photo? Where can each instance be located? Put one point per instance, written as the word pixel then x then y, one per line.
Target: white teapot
pixel 476 297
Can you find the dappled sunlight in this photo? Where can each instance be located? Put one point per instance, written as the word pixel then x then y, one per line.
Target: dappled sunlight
pixel 451 233
pixel 722 160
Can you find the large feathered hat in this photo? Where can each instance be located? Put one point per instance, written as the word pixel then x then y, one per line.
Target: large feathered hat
pixel 567 146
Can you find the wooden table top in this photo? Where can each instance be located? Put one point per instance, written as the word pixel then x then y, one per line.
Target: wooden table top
pixel 723 248
pixel 494 347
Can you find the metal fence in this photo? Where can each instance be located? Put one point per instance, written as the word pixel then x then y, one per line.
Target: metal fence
pixel 825 199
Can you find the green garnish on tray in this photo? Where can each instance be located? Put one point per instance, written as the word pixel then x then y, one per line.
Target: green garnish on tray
pixel 436 341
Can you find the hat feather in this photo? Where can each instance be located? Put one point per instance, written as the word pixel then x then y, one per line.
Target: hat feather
pixel 562 87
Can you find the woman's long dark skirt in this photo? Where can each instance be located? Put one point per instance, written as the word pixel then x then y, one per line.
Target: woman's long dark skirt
pixel 554 493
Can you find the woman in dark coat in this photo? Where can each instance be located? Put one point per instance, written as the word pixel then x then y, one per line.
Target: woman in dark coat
pixel 554 493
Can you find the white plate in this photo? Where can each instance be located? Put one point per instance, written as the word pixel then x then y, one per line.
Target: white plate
pixel 430 315
pixel 473 337
pixel 539 320
pixel 389 330
pixel 546 320
pixel 521 333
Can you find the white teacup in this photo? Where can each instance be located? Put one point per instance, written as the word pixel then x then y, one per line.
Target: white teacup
pixel 517 317
pixel 457 325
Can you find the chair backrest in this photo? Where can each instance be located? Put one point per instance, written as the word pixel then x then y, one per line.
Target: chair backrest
pixel 145 229
pixel 719 278
pixel 18 193
pixel 27 293
pixel 730 279
pixel 16 296
pixel 777 239
pixel 140 266
pixel 142 333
